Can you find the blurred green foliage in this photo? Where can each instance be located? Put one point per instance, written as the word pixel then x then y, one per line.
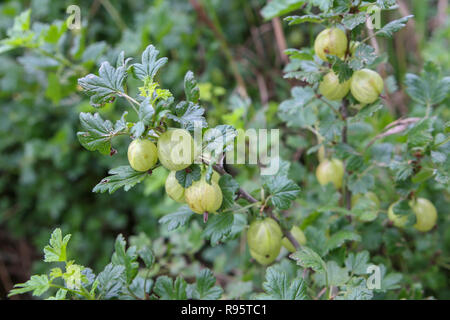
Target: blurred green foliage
pixel 46 177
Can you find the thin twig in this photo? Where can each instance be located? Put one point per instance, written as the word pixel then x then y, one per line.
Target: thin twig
pixel 346 191
pixel 281 40
pixel 245 195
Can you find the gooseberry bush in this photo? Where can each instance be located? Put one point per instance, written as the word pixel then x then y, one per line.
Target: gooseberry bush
pixel 315 236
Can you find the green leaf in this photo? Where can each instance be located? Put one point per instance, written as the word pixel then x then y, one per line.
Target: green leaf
pixel 323 5
pixel 19 34
pixel 106 86
pixel 389 29
pixel 282 191
pixel 191 88
pixel 98 133
pixel 229 187
pixel 429 88
pixel 423 175
pixel 341 68
pixel 390 281
pixel 351 21
pixel 365 209
pixel 361 183
pixel 109 281
pixel 304 70
pixel 336 275
pixel 303 54
pixel 125 258
pixel 331 127
pixel 178 218
pixel 39 284
pixel 188 114
pixel 402 170
pixel 60 295
pixel 276 8
pixel 293 20
pixel 219 139
pixel 367 112
pixel 56 250
pixel 204 288
pixel 150 64
pixel 145 114
pixel 123 176
pixel 308 258
pixel 340 237
pixel 187 176
pixel 356 290
pixel 218 227
pixel 357 263
pixel 364 55
pixel 278 287
pixel 147 255
pixel 137 289
pixel 298 111
pixel 419 134
pixel 166 289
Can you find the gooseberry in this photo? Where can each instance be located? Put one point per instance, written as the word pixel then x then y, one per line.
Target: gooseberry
pixel 176 149
pixel 203 197
pixel 331 41
pixel 332 89
pixel 330 171
pixel 366 86
pixel 264 240
pixel 174 188
pixel 142 154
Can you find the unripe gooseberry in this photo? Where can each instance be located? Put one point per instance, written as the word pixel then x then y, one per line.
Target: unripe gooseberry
pixel 174 188
pixel 426 214
pixel 203 197
pixel 331 41
pixel 424 210
pixel 330 171
pixel 398 220
pixel 176 149
pixel 332 89
pixel 142 154
pixel 264 240
pixel 366 86
pixel 298 235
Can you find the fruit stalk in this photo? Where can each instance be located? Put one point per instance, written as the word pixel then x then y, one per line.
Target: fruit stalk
pixel 346 191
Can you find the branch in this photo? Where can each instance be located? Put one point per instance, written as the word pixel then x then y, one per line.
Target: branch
pixel 281 40
pixel 247 196
pixel 346 191
pixel 393 128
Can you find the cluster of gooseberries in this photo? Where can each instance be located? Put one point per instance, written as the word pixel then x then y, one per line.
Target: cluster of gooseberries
pixel 365 85
pixel 175 151
pixel 332 171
